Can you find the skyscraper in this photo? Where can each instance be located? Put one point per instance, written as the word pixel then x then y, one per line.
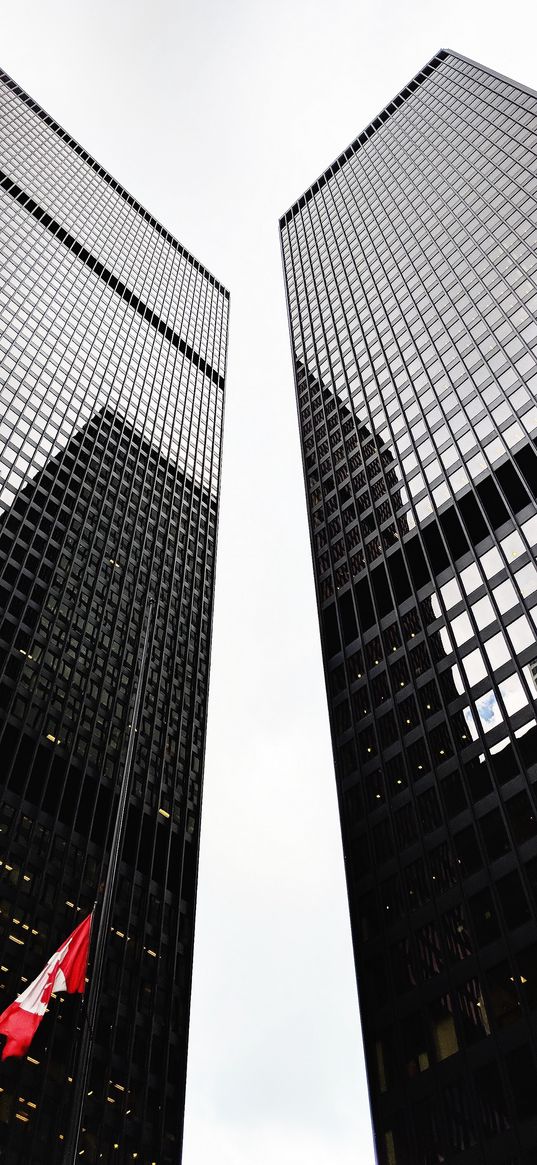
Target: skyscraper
pixel 411 275
pixel 113 349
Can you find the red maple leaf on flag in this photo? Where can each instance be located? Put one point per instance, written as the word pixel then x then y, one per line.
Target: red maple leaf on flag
pixel 65 971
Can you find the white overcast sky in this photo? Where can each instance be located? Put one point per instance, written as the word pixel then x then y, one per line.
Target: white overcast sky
pixel 217 114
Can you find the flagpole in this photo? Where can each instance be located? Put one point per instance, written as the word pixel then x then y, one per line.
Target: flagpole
pixel 91 1002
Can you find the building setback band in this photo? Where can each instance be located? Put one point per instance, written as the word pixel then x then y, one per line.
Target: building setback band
pixel 111 280
pixel 411 275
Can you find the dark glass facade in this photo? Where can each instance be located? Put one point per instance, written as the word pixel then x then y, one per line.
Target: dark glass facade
pixel 113 347
pixel 411 273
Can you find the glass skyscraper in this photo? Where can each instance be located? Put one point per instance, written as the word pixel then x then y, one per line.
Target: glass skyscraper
pixel 411 273
pixel 112 353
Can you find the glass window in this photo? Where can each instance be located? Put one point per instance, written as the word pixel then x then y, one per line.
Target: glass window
pixel 527 579
pixel 512 545
pixel 521 817
pixel 467 850
pixel 522 1073
pixel 415 1052
pixel 451 593
pixel 505 595
pixel 513 695
pixel 489 711
pixel 461 628
pixel 521 633
pixel 494 835
pixel 473 1014
pixel 529 420
pixel 424 508
pixel 527 965
pixel 492 1105
pixel 471 578
pixel 497 650
pixel 449 456
pixel 513 434
pixel 441 494
pixel 491 562
pixel 458 479
pixel 484 427
pixel 474 666
pixel 476 465
pixel 483 612
pixel 494 450
pixel 529 529
pixel 484 917
pixel 443 1025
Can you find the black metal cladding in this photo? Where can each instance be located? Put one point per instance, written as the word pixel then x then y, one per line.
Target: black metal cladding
pixel 112 343
pixel 411 275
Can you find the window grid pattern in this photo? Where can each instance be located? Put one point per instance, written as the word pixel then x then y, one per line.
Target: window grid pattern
pixel 411 273
pixel 81 195
pixel 112 346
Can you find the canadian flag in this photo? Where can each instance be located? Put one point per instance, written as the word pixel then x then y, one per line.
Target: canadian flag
pixel 65 971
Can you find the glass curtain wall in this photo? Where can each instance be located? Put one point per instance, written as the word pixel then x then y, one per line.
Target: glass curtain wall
pixel 411 275
pixel 112 350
